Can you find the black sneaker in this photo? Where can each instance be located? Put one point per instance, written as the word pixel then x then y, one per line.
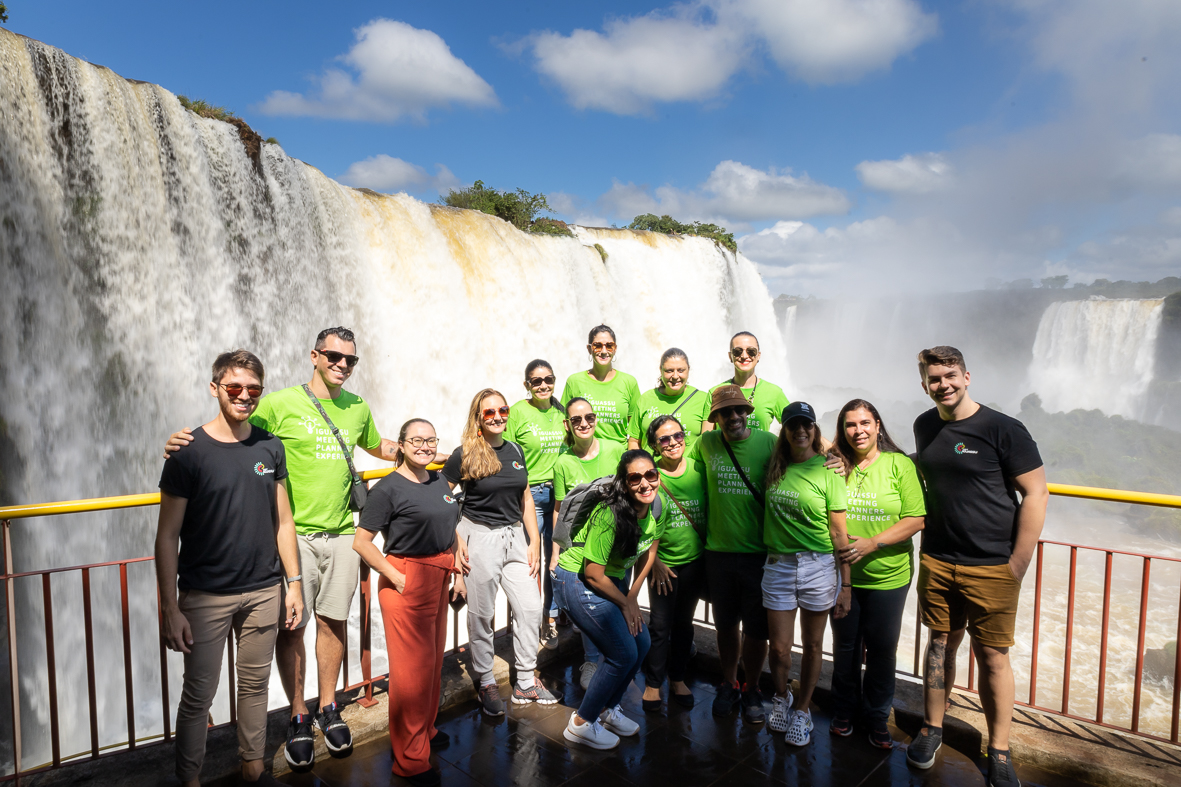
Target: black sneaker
pixel 440 740
pixel 752 707
pixel 728 696
pixel 1000 770
pixel 921 751
pixel 336 732
pixel 300 749
pixel 490 701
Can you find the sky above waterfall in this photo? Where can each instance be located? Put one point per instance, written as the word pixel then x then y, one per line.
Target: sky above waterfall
pixel 856 147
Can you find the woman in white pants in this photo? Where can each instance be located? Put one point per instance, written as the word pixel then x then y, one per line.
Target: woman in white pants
pixel 499 529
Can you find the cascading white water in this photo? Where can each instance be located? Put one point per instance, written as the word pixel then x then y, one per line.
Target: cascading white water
pixel 138 240
pixel 1096 354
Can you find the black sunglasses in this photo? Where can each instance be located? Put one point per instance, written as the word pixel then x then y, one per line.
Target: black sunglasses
pixel 536 381
pixel 668 439
pixel 334 358
pixel 651 476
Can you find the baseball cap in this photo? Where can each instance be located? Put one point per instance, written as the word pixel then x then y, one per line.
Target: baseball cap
pixel 798 410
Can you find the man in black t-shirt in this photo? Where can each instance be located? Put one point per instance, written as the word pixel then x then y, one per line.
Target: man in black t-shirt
pixel 223 500
pixel 977 544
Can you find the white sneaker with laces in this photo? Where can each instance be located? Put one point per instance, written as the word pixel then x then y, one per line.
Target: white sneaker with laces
pixel 614 720
pixel 590 734
pixel 587 671
pixel 780 712
pixel 799 728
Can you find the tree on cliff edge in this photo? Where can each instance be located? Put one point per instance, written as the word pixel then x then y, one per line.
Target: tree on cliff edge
pixel 3 12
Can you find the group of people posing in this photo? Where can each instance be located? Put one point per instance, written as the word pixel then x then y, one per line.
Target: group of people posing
pixel 572 505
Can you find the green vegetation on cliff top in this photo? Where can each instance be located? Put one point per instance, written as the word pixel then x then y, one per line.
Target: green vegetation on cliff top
pixel 670 226
pixel 519 208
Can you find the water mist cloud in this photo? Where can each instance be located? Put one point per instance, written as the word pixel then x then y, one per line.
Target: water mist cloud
pixel 387 173
pixel 911 174
pixel 400 72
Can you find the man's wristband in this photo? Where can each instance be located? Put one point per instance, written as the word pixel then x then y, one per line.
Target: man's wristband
pixel 846 585
pixel 296 578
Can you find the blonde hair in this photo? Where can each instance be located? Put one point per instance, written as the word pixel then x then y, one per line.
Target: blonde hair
pixel 479 460
pixel 781 456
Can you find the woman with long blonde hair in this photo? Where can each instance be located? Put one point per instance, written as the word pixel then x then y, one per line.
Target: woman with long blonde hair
pixel 499 527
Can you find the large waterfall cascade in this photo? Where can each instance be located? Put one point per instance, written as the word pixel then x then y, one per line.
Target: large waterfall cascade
pixel 1096 354
pixel 137 240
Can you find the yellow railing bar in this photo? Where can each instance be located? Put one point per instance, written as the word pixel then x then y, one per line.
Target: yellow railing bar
pixel 127 501
pixel 152 499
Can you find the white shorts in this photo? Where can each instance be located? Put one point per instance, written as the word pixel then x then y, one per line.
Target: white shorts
pixel 330 570
pixel 808 580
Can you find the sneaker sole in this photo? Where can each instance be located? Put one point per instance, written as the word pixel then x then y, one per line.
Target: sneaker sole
pixel 621 733
pixel 526 700
pixel 749 720
pixel 923 765
pixel 584 742
pixel 295 764
pixel 804 742
pixel 844 733
pixel 493 714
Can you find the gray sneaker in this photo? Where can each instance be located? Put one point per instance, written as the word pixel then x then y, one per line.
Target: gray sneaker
pixel 549 636
pixel 588 670
pixel 535 693
pixel 1000 770
pixel 752 707
pixel 490 701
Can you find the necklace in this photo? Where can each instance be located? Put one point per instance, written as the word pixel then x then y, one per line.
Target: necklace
pixel 753 388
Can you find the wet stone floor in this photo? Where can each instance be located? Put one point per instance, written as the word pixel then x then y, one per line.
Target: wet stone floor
pixel 677 747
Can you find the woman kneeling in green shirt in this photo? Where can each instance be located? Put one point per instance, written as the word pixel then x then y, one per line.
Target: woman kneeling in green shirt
pixel 885 510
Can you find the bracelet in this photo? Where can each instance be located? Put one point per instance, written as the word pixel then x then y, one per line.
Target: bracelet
pixel 844 585
pixel 296 578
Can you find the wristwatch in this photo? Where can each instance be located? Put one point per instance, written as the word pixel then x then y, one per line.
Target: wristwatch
pixel 296 578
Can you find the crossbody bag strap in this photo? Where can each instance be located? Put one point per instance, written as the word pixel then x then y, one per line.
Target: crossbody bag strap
pixel 686 401
pixel 758 496
pixel 335 432
pixel 677 503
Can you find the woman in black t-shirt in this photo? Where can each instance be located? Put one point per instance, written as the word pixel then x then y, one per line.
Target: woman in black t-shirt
pixel 499 529
pixel 415 512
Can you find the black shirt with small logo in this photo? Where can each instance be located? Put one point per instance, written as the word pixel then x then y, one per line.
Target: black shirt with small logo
pixel 497 500
pixel 227 539
pixel 414 519
pixel 967 468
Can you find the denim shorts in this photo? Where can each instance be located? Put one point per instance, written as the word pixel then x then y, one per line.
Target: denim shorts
pixel 808 580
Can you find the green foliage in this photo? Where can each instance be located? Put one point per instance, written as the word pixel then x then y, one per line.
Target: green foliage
pixel 205 109
pixel 1055 282
pixel 519 208
pixel 272 141
pixel 670 226
pixel 3 13
pixel 602 252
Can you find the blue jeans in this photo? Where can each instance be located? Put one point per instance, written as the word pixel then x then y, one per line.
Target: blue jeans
pixel 603 623
pixel 543 503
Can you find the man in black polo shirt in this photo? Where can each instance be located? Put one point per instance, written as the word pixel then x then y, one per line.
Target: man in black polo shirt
pixel 977 544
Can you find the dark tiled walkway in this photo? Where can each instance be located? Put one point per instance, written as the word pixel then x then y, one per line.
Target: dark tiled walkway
pixel 685 748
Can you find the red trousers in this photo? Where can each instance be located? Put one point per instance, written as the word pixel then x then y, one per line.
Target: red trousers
pixel 415 636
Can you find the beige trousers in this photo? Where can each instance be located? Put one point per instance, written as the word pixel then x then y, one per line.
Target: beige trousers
pixel 254 617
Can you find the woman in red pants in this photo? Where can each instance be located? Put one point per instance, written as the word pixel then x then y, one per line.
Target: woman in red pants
pixel 416 514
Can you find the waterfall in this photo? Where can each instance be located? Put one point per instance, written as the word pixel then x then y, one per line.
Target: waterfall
pixel 138 240
pixel 1096 354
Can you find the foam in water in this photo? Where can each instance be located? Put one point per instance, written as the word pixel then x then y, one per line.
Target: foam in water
pixel 1096 354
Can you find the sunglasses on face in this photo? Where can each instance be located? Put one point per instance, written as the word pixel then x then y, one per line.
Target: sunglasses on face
pixel 730 412
pixel 536 381
pixel 234 390
pixel 577 420
pixel 749 352
pixel 419 442
pixel 491 412
pixel 796 424
pixel 651 476
pixel 334 358
pixel 608 346
pixel 669 439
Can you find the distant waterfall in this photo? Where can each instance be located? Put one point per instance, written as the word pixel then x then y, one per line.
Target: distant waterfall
pixel 138 240
pixel 1096 355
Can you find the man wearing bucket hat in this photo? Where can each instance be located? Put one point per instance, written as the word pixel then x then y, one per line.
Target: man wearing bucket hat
pixel 735 459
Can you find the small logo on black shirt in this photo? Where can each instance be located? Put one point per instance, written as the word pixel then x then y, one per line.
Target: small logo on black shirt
pixel 261 469
pixel 448 499
pixel 960 448
pixel 517 465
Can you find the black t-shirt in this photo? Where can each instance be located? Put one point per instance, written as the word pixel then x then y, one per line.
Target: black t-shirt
pixel 496 500
pixel 967 468
pixel 413 518
pixel 227 539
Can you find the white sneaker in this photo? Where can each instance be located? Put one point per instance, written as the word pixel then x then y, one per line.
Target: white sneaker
pixel 614 720
pixel 780 712
pixel 588 670
pixel 799 728
pixel 590 734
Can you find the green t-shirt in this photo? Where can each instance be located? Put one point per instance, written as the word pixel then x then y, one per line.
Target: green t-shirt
pixel 679 541
pixel 735 518
pixel 878 497
pixel 798 508
pixel 611 401
pixel 541 436
pixel 570 471
pixel 694 408
pixel 600 540
pixel 767 399
pixel 318 476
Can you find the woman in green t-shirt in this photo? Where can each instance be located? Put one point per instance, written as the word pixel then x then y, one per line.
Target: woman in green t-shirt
pixel 619 532
pixel 536 424
pixel 610 391
pixel 677 582
pixel 672 396
pixel 886 509
pixel 766 398
pixel 803 528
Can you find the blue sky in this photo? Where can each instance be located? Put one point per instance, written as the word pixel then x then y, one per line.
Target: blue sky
pixel 852 143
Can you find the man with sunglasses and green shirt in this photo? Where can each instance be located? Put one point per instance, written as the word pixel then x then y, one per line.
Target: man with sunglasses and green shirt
pixel 318 488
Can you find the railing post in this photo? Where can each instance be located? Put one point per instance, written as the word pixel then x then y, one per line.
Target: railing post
pixel 1144 588
pixel 88 627
pixel 10 632
pixel 1037 624
pixel 1176 679
pixel 366 700
pixel 1103 638
pixel 1069 631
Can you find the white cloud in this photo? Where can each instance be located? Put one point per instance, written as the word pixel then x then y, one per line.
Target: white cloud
pixel 399 72
pixel 1152 160
pixel 386 173
pixel 911 174
pixel 734 193
pixel 836 40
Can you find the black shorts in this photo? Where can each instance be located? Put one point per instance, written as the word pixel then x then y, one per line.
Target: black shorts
pixel 736 591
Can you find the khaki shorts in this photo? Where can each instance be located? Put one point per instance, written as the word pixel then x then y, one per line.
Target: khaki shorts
pixel 330 570
pixel 982 599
